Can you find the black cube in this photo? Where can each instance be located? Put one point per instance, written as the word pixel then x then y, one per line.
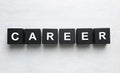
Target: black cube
pixel 15 36
pixel 102 36
pixel 84 36
pixel 66 36
pixel 50 36
pixel 32 36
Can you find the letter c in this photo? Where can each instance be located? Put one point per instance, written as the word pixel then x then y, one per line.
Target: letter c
pixel 13 38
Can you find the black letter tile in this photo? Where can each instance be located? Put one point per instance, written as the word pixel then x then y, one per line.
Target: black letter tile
pixel 50 36
pixel 32 36
pixel 15 36
pixel 84 36
pixel 66 36
pixel 102 35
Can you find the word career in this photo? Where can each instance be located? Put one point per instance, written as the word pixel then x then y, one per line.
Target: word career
pixel 64 36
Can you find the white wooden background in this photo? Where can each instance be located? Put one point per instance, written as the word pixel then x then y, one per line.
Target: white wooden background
pixel 60 14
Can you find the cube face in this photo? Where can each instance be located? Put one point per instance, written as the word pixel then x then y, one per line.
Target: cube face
pixel 50 36
pixel 32 36
pixel 15 36
pixel 66 36
pixel 84 36
pixel 102 35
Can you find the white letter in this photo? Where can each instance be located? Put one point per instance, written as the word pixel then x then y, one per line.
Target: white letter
pixel 32 36
pixel 12 36
pixel 84 35
pixel 66 36
pixel 102 35
pixel 50 35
